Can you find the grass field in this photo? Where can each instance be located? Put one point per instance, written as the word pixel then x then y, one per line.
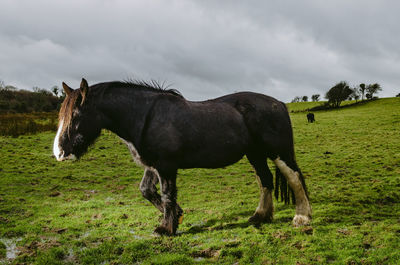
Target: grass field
pixel 91 211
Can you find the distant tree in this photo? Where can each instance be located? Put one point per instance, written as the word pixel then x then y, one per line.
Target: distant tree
pixel 373 89
pixel 54 89
pixel 10 88
pixel 62 96
pixel 315 97
pixel 361 89
pixel 340 92
pixel 36 89
pixel 304 99
pixel 296 99
pixel 355 94
pixel 398 95
pixel 41 90
pixel 4 87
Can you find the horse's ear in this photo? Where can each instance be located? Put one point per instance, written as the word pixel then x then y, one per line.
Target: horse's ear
pixel 84 89
pixel 67 89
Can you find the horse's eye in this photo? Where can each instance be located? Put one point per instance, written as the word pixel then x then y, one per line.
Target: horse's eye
pixel 75 113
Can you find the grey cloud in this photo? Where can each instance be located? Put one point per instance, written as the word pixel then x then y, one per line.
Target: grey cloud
pixel 203 48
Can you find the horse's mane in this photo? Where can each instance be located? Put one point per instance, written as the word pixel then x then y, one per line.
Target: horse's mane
pixel 67 107
pixel 153 85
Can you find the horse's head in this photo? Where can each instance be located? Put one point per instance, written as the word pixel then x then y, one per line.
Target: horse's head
pixel 78 125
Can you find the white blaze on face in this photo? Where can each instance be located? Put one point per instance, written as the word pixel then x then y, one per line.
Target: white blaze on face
pixel 57 151
pixel 56 145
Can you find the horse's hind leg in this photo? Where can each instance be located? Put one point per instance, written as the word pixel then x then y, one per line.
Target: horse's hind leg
pixel 303 208
pixel 265 209
pixel 149 190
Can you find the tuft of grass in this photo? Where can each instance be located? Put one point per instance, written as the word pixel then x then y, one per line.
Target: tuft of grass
pixel 91 211
pixel 3 250
pixel 170 259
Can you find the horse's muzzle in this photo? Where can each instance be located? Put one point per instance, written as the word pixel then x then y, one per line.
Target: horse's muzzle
pixel 68 157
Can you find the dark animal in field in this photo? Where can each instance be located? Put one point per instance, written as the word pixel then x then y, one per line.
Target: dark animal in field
pixel 166 132
pixel 310 117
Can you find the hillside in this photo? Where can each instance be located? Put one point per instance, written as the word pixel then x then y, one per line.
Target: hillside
pixel 306 106
pixel 91 211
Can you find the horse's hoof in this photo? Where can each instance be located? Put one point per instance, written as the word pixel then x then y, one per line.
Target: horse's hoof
pixel 180 219
pixel 162 231
pixel 259 219
pixel 301 220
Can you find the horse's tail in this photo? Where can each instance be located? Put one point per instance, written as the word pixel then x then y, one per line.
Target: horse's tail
pixel 282 189
pixel 287 154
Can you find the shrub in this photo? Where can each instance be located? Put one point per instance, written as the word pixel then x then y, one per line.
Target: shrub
pixel 21 101
pixel 340 92
pixel 18 124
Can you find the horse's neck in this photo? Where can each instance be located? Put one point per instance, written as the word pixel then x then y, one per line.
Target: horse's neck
pixel 126 114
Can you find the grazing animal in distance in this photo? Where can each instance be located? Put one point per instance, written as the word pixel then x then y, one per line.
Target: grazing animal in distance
pixel 310 117
pixel 165 132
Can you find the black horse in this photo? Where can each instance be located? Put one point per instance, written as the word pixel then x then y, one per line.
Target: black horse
pixel 310 117
pixel 165 132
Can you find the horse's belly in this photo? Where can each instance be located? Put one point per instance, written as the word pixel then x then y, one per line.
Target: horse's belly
pixel 208 162
pixel 213 155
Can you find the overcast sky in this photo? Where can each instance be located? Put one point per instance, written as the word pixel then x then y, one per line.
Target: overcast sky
pixel 203 48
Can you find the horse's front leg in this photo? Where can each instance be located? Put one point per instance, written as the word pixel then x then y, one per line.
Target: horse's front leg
pixel 149 190
pixel 170 222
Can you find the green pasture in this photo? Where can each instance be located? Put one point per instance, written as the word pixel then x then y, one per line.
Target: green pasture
pixel 91 211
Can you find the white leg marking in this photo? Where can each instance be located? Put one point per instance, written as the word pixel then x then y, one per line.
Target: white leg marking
pixel 144 175
pixel 265 207
pixel 303 208
pixel 138 161
pixel 135 154
pixel 56 145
